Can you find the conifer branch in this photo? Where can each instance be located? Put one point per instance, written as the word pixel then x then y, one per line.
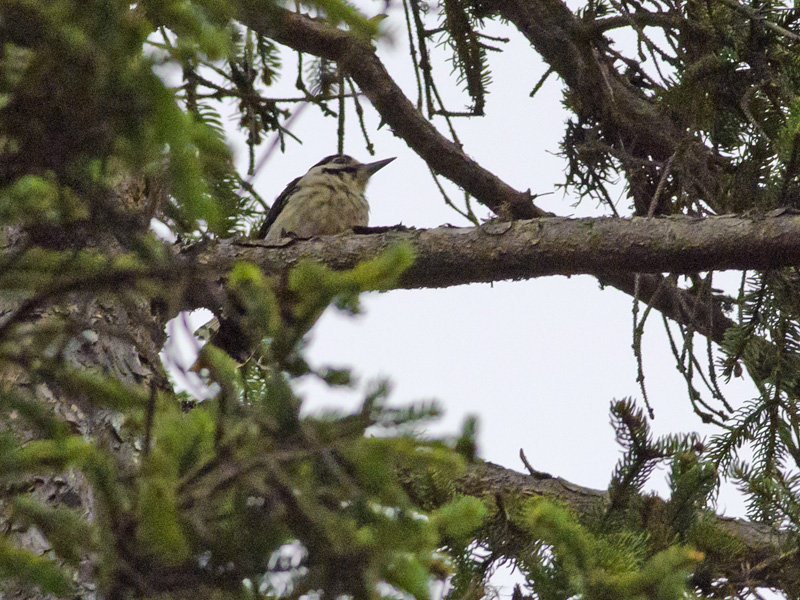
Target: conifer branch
pixel 759 544
pixel 611 249
pixel 501 250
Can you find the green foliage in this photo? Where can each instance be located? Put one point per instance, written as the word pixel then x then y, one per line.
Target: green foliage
pixel 34 570
pixel 229 483
pixel 317 285
pixel 341 12
pixel 691 481
pixel 635 545
pixel 767 344
pixel 65 529
pixel 256 300
pixel 595 568
pixel 102 391
pixel 33 414
pixel 183 442
pixel 32 199
pixel 93 55
pixel 467 443
pixel 199 27
pixel 196 155
pixel 459 519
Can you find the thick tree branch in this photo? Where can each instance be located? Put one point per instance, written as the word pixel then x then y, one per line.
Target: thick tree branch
pixel 610 248
pixel 502 250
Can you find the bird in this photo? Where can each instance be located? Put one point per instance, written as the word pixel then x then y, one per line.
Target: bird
pixel 327 200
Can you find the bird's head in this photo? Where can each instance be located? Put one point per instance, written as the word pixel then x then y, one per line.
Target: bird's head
pixel 348 168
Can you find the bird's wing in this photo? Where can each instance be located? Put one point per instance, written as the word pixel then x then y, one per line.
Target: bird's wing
pixel 276 208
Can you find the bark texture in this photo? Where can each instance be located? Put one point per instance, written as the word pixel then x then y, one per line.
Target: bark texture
pixel 612 249
pixel 102 331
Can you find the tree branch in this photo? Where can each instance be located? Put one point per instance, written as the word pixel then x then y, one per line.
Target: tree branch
pixel 628 117
pixel 501 250
pixel 642 18
pixel 760 544
pixel 610 248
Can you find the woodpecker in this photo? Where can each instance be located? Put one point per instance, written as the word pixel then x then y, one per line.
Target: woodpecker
pixel 327 200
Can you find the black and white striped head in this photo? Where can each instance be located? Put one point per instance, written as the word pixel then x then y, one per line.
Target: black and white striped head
pixel 346 168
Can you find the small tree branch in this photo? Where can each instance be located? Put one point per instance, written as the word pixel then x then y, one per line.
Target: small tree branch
pixel 642 18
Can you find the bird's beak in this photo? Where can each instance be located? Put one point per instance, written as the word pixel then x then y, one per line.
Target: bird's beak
pixel 371 168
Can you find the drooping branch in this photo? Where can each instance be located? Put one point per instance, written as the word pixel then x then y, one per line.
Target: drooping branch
pixel 697 312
